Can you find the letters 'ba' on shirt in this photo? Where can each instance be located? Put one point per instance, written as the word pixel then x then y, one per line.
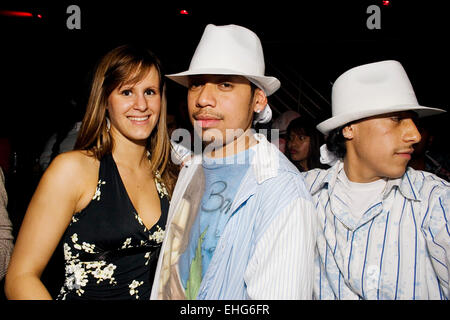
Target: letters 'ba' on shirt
pixel 398 249
pixel 222 179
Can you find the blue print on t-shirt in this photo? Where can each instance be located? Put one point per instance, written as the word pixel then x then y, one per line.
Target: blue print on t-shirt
pixel 222 179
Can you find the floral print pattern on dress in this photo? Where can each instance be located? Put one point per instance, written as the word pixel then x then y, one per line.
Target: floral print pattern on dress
pixel 133 288
pixel 140 221
pixel 160 186
pixel 77 272
pixel 97 191
pixel 158 235
pixel 126 244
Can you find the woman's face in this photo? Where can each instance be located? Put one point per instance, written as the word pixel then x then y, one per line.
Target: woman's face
pixel 134 109
pixel 298 146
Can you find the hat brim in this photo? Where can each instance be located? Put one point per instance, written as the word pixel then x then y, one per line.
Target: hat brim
pixel 338 121
pixel 266 83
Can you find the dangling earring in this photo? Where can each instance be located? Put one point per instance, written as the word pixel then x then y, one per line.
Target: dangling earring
pixel 108 124
pixel 263 115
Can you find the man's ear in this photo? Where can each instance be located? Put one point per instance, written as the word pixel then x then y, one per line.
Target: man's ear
pixel 259 100
pixel 348 132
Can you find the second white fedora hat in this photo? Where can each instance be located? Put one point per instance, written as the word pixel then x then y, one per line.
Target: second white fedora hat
pixel 229 50
pixel 369 90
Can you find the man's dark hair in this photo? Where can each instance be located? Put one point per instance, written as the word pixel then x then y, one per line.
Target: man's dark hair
pixel 336 142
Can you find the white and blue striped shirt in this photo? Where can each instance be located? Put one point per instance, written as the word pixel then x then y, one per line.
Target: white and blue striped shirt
pixel 266 249
pixel 398 249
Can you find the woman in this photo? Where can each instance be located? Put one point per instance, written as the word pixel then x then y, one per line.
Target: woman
pixel 303 144
pixel 108 199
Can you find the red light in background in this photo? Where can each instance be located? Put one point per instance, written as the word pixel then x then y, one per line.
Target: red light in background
pixel 11 13
pixel 386 3
pixel 185 12
pixel 39 16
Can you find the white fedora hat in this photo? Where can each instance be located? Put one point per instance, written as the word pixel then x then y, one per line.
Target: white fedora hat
pixel 229 50
pixel 369 90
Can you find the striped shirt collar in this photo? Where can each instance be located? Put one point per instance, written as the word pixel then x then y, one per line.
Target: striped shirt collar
pixel 405 183
pixel 266 160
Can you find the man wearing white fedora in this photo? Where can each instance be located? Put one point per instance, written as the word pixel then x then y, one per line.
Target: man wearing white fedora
pixel 383 226
pixel 241 223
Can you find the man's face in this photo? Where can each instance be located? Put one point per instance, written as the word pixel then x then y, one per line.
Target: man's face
pixel 380 146
pixel 221 107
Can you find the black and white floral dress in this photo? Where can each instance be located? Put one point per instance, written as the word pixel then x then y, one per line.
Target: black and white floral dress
pixel 108 251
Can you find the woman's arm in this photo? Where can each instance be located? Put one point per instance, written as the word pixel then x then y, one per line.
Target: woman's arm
pixel 50 211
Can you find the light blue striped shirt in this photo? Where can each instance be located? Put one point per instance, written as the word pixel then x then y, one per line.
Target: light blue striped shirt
pixel 266 249
pixel 398 249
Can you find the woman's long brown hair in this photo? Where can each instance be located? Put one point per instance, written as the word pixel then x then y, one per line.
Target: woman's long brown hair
pixel 125 65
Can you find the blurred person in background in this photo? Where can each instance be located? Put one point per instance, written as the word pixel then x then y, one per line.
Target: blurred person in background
pixel 303 144
pixel 281 123
pixel 6 237
pixel 431 153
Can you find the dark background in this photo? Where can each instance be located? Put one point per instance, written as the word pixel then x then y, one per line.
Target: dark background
pixel 307 44
pixel 44 64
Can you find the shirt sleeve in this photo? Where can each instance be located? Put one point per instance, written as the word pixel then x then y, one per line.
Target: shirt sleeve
pixel 282 265
pixel 438 237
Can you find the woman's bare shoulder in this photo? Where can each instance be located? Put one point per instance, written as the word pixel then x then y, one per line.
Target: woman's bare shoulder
pixel 76 165
pixel 76 159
